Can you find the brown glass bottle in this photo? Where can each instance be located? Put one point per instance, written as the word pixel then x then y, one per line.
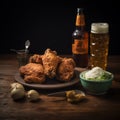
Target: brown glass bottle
pixel 80 41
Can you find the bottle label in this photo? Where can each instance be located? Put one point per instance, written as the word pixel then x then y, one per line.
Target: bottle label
pixel 80 46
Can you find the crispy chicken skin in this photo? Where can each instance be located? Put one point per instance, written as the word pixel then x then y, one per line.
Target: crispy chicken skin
pixel 50 62
pixel 32 73
pixel 48 65
pixel 36 58
pixel 65 70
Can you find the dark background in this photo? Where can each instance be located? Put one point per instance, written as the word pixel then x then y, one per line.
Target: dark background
pixel 50 24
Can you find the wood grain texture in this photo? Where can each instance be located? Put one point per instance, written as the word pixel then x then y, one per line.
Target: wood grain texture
pixel 54 108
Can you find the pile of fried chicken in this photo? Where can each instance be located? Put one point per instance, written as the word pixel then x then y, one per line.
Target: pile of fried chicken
pixel 49 65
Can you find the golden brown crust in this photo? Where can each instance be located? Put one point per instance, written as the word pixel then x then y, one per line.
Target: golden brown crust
pixel 36 58
pixel 32 73
pixel 34 79
pixel 47 65
pixel 50 62
pixel 65 70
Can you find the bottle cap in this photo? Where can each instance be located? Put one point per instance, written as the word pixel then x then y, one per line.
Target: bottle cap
pixel 99 28
pixel 79 9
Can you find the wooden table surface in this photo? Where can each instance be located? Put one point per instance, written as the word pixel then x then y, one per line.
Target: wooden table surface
pixel 53 108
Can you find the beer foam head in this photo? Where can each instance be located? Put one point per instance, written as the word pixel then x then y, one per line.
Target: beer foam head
pixel 99 28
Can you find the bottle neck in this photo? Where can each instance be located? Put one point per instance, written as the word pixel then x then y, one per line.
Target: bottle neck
pixel 80 28
pixel 80 18
pixel 79 25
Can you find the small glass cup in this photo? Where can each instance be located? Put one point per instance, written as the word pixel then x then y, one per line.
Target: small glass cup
pixel 22 57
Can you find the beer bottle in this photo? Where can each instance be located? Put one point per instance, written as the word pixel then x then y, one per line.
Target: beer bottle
pixel 80 41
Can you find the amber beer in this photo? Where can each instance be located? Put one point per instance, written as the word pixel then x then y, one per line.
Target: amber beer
pixel 80 41
pixel 99 44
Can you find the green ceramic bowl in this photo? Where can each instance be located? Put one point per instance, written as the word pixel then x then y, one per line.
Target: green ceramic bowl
pixel 96 87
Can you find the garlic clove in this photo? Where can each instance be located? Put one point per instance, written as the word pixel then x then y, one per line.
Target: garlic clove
pixel 17 86
pixel 17 93
pixel 33 95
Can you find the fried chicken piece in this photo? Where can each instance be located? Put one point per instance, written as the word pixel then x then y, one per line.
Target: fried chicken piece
pixel 50 62
pixel 36 58
pixel 65 70
pixel 32 73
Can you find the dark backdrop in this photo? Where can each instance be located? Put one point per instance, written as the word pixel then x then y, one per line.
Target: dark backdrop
pixel 50 24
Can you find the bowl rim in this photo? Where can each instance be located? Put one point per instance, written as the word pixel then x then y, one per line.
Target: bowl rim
pixel 97 81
